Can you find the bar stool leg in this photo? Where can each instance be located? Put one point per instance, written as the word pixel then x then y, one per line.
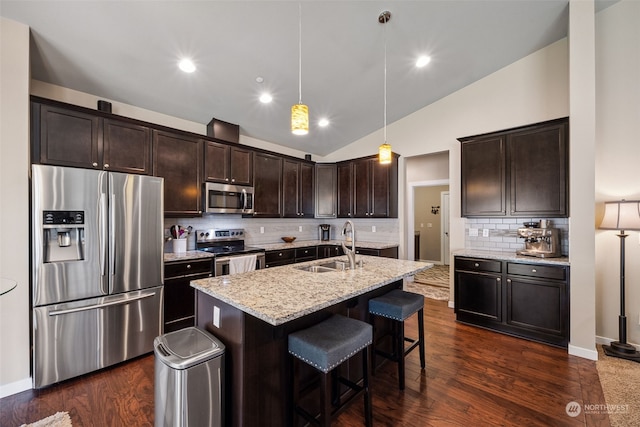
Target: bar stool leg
pixel 421 337
pixel 372 322
pixel 366 371
pixel 400 352
pixel 325 400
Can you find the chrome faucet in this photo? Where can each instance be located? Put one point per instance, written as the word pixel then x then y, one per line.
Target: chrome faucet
pixel 350 253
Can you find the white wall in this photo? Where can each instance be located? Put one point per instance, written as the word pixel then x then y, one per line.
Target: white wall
pixel 616 161
pixel 581 177
pixel 14 205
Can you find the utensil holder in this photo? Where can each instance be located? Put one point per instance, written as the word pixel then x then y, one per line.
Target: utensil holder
pixel 179 245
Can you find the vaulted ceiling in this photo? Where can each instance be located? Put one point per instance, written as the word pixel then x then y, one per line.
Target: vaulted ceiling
pixel 127 51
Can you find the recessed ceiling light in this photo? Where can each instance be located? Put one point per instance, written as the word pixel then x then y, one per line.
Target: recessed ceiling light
pixel 323 122
pixel 265 98
pixel 187 65
pixel 422 61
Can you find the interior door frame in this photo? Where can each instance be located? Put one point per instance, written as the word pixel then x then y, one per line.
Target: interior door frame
pixel 411 188
pixel 444 227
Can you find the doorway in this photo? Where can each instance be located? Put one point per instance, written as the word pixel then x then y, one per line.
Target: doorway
pixel 429 225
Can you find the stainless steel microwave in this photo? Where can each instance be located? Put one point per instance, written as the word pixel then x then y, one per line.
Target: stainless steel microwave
pixel 225 198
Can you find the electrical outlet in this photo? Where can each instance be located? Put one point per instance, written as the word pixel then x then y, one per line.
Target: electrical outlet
pixel 485 232
pixel 300 228
pixel 261 230
pixel 373 228
pixel 429 225
pixel 639 319
pixel 216 316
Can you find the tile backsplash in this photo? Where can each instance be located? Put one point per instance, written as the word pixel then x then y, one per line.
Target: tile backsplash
pixel 270 230
pixel 502 233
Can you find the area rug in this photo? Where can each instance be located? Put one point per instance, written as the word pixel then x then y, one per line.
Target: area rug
pixel 619 379
pixel 438 275
pixel 59 419
pixel 432 292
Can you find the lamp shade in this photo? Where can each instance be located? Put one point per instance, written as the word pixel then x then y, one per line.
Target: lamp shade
pixel 384 154
pixel 621 215
pixel 300 119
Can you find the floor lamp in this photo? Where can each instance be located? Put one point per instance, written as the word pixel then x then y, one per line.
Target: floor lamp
pixel 622 215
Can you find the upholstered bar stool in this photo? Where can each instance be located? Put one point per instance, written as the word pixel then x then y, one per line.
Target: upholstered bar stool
pixel 325 346
pixel 399 305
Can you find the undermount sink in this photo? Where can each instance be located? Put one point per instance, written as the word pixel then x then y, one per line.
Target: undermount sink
pixel 324 268
pixel 315 269
pixel 335 265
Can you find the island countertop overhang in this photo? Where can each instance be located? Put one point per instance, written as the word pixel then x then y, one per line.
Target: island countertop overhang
pixel 278 295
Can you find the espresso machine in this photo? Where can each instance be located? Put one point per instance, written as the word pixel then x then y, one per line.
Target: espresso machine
pixel 540 240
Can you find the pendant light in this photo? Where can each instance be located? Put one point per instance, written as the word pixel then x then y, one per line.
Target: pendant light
pixel 300 112
pixel 384 151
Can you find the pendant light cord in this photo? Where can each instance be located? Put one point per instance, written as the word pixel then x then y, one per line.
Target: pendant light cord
pixel 299 53
pixel 385 83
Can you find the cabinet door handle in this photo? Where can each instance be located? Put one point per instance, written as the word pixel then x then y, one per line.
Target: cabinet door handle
pixel 533 270
pixel 188 266
pixel 476 265
pixel 500 280
pixel 509 281
pixel 106 165
pixel 94 164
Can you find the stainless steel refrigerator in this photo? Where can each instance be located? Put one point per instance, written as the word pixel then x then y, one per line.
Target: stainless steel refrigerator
pixel 97 269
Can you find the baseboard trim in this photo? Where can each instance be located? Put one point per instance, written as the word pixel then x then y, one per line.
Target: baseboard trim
pixel 15 387
pixel 585 353
pixel 608 341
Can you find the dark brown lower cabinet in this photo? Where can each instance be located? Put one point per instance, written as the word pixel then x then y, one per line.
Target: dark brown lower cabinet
pixel 280 257
pixel 528 300
pixel 328 251
pixel 179 296
pixel 386 252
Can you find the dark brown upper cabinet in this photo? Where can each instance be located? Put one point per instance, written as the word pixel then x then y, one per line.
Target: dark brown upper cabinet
pixel 267 174
pixel 483 177
pixel 326 190
pixel 367 189
pixel 345 190
pixel 297 189
pixel 127 147
pixel 228 164
pixel 178 159
pixel 521 172
pixel 79 138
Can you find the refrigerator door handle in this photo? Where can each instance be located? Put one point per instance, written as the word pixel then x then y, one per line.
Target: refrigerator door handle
pixel 112 236
pixel 117 301
pixel 102 247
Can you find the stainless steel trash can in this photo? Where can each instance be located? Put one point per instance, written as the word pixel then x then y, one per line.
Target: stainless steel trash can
pixel 189 379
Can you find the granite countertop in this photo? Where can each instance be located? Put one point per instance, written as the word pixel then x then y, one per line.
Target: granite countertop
pixel 510 256
pixel 184 256
pixel 306 243
pixel 280 294
pixel 171 256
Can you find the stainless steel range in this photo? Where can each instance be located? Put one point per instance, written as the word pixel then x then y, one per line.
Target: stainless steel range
pixel 229 249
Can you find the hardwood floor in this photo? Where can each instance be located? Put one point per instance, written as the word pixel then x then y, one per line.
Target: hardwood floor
pixel 473 377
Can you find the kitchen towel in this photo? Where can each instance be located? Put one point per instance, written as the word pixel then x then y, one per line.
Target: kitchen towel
pixel 242 264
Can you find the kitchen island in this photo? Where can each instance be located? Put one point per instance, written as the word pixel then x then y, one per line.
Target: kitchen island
pixel 253 313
